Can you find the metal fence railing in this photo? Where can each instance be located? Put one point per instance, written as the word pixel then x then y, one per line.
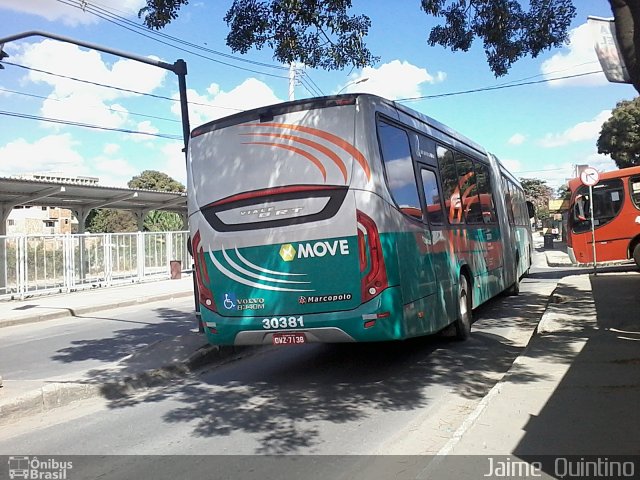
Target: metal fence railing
pixel 31 264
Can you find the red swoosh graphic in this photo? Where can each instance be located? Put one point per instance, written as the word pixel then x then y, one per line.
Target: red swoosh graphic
pixel 299 151
pixel 321 148
pixel 347 147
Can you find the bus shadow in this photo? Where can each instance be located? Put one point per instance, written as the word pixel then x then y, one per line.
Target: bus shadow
pixel 285 397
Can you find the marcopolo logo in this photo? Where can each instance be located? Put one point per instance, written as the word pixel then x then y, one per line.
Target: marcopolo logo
pixel 336 297
pixel 314 249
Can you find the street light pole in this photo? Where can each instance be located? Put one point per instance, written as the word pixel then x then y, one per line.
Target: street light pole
pixel 362 80
pixel 179 68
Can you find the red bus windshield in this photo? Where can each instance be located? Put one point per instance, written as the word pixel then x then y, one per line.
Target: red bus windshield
pixel 616 218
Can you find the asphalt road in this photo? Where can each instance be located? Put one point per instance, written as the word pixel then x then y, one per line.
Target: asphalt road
pixel 58 348
pixel 399 398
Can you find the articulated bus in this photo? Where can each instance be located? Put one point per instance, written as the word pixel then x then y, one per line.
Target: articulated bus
pixel 616 218
pixel 348 218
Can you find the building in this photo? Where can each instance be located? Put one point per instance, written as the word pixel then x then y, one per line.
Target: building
pixel 45 220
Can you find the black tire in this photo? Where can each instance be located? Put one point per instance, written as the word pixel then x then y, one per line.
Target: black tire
pixel 636 255
pixel 515 288
pixel 463 322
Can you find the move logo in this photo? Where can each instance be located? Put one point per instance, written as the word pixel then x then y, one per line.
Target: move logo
pixel 314 249
pixel 287 252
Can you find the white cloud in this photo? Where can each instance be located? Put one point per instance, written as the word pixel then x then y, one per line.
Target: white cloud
pixel 111 148
pixel 146 127
pixel 216 103
pixel 392 80
pixel 83 102
pixel 583 131
pixel 113 172
pixel 54 153
pixel 174 164
pixel 511 164
pixel 60 154
pixel 517 139
pixel 578 57
pixel 602 163
pixel 69 15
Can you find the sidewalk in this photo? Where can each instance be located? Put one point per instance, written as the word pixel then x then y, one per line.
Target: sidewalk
pixel 576 388
pixel 47 307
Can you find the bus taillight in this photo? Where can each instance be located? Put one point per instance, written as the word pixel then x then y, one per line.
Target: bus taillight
pixel 205 296
pixel 375 280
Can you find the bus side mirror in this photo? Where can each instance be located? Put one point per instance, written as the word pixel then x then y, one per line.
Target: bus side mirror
pixel 531 209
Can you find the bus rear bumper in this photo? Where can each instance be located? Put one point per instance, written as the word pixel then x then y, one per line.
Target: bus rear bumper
pixel 572 256
pixel 377 320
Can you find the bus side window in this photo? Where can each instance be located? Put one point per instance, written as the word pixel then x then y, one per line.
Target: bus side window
pixel 485 193
pixel 432 197
pixel 634 189
pixel 579 209
pixel 450 187
pixel 508 200
pixel 581 215
pixel 468 190
pixel 398 163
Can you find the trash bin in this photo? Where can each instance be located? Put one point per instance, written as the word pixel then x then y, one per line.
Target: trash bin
pixel 548 241
pixel 175 267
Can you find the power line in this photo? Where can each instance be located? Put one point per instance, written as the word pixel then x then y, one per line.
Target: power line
pixel 309 86
pixel 498 87
pixel 91 106
pixel 116 20
pixel 184 42
pixel 88 125
pixel 315 85
pixel 119 20
pixel 113 87
pixel 541 170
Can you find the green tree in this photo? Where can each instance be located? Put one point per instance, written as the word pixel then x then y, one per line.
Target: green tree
pixel 563 192
pixel 107 220
pixel 157 221
pixel 155 180
pixel 320 33
pixel 539 193
pixel 620 135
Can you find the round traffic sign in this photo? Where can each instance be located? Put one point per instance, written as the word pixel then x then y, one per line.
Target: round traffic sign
pixel 589 176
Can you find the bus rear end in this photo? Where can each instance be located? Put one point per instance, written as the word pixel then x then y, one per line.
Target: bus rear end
pixel 283 255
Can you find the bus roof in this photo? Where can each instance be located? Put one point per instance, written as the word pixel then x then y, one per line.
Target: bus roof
pixel 267 112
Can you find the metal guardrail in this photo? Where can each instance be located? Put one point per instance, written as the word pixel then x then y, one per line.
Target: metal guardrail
pixel 32 264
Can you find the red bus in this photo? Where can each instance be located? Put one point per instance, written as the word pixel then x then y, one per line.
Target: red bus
pixel 616 206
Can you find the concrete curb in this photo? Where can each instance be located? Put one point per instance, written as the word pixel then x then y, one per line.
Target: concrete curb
pixel 45 398
pixel 76 312
pixel 59 394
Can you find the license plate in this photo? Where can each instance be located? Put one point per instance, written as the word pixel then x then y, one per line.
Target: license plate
pixel 292 338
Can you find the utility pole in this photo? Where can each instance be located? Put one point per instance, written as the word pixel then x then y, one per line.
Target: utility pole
pixel 292 80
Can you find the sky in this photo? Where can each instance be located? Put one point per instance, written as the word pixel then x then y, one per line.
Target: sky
pixel 539 130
